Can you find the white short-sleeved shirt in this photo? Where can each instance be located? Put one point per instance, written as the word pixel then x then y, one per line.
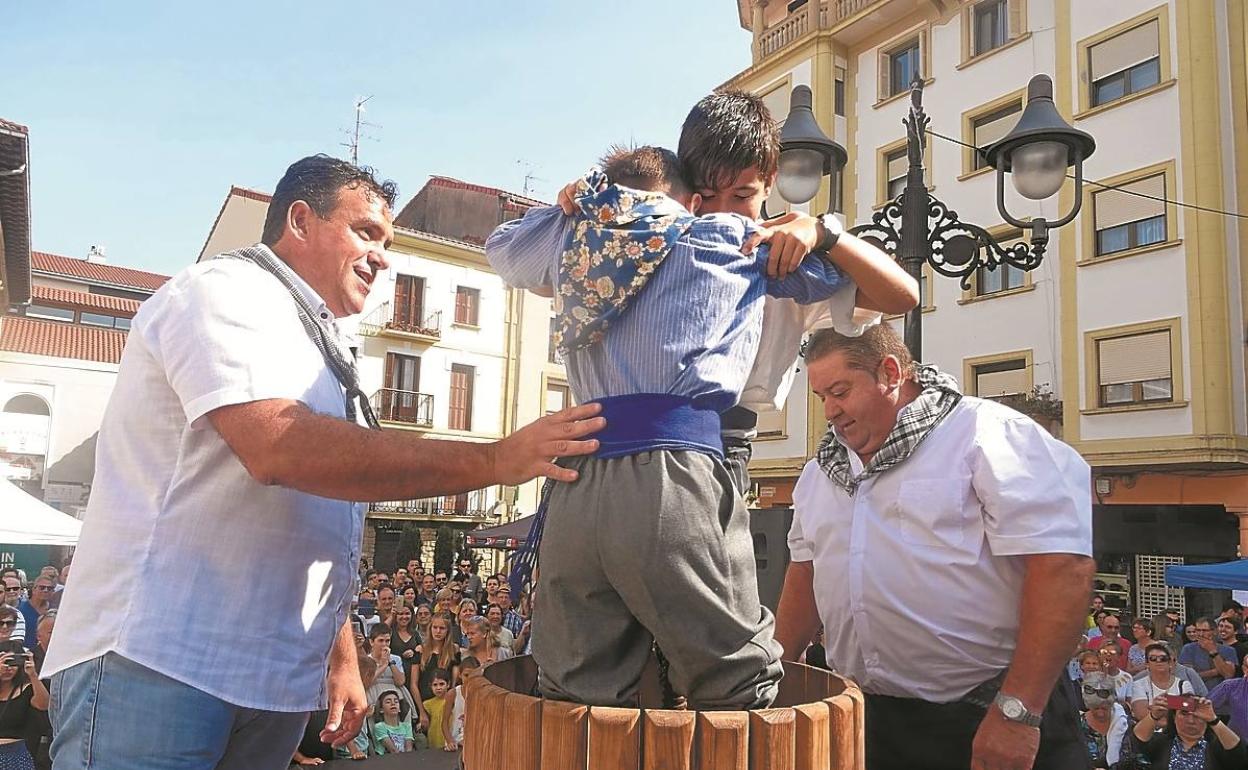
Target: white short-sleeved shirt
pixel 1144 689
pixel 186 564
pixel 915 577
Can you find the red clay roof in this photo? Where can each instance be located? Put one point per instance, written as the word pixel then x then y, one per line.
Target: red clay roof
pixel 247 192
pixel 42 262
pixel 82 299
pixel 459 184
pixel 61 340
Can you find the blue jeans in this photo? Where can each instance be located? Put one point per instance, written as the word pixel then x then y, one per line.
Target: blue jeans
pixel 110 713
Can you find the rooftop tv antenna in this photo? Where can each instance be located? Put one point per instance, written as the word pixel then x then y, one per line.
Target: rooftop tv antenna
pixel 529 176
pixel 355 135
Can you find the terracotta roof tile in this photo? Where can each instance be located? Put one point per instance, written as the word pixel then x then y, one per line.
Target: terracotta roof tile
pixel 61 340
pixel 15 127
pixel 95 271
pixel 247 192
pixel 82 299
pixel 459 184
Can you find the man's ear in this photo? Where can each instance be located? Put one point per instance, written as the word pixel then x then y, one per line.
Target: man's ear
pixel 298 220
pixel 695 203
pixel 890 368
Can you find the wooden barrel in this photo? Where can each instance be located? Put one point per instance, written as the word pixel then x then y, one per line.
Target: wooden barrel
pixel 815 724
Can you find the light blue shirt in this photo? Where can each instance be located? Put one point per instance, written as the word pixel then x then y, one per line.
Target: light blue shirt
pixel 693 331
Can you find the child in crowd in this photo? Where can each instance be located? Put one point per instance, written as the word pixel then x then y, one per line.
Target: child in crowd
pixel 439 715
pixel 393 732
pixel 468 667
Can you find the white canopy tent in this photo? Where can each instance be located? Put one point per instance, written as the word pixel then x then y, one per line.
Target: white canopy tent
pixel 25 520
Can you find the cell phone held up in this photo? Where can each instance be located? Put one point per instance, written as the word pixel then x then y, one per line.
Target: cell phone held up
pixel 1180 703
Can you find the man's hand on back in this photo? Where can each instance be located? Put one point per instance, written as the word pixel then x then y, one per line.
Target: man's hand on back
pixel 530 452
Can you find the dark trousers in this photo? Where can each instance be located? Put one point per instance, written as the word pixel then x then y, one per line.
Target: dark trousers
pixel 906 733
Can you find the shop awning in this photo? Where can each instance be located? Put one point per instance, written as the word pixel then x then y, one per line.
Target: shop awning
pixel 1232 575
pixel 25 520
pixel 508 536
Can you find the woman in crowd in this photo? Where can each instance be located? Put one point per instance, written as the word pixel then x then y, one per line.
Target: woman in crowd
pixel 1142 631
pixel 409 596
pixel 494 615
pixel 466 610
pixel 1104 723
pixel 1089 662
pixel 444 602
pixel 403 638
pixel 22 697
pixel 423 614
pixel 436 652
pixel 1161 680
pixel 1194 738
pixel 1163 631
pixel 482 644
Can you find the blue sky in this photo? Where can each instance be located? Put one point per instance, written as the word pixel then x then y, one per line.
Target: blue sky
pixel 143 114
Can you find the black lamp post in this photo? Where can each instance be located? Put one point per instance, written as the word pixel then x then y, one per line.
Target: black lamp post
pixel 917 228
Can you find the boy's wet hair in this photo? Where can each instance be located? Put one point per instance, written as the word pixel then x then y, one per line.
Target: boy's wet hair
pixel 724 134
pixel 649 168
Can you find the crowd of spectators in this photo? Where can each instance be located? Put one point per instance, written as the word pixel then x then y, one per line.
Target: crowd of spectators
pixel 419 634
pixel 27 618
pixel 1168 695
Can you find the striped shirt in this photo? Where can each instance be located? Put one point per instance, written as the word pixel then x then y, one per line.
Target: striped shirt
pixel 694 331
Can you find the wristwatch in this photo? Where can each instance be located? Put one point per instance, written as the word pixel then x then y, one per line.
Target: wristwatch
pixel 831 232
pixel 1217 720
pixel 1013 709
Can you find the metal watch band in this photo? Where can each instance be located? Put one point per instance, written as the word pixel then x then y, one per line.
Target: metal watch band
pixel 1007 703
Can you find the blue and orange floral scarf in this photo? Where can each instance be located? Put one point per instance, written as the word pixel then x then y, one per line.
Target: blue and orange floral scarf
pixel 620 238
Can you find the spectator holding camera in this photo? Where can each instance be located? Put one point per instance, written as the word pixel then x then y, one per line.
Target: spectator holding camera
pixel 1161 680
pixel 22 698
pixel 1194 737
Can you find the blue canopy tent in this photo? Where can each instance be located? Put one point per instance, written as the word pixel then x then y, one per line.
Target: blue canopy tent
pixel 1231 575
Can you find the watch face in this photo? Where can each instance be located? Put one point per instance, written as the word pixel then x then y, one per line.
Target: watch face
pixel 1012 709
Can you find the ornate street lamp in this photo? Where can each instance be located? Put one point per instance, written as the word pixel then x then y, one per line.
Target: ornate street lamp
pixel 917 228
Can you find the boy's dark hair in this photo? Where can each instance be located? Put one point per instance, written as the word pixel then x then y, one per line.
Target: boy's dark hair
pixel 379 629
pixel 650 168
pixel 402 703
pixel 724 134
pixel 443 674
pixel 469 662
pixel 317 180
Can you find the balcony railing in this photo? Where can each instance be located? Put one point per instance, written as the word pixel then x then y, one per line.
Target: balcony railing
pixel 814 14
pixel 382 321
pixel 473 505
pixel 403 406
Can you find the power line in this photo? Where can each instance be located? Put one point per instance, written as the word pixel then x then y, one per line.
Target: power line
pixel 1119 188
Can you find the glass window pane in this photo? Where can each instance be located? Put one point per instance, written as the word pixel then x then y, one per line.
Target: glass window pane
pixel 1108 89
pixel 1148 231
pixel 122 323
pixel 989 281
pixel 905 65
pixel 50 313
pixel 991 29
pixel 96 319
pixel 1143 75
pixel 1013 277
pixel 1113 239
pixel 1157 390
pixel 1122 393
pixel 896 187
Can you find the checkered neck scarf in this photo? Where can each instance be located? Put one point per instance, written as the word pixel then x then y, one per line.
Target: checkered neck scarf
pixel 916 420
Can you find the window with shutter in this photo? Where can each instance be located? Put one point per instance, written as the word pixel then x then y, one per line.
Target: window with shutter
pixel 467 302
pixel 1126 63
pixel 1135 369
pixel 992 127
pixel 897 165
pixel 1001 378
pixel 409 302
pixel 460 413
pixel 904 65
pixel 1130 215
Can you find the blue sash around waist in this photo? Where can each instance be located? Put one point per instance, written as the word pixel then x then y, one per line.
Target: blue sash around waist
pixel 644 422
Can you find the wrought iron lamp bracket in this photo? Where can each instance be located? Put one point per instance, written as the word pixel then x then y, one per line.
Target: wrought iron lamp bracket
pixel 957 249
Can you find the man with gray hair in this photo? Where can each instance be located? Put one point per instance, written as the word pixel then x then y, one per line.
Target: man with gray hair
pixel 944 542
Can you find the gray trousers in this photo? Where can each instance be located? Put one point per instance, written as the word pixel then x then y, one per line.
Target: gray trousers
pixel 652 547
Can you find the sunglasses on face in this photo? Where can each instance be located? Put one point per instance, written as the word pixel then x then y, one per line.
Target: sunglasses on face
pixel 8 623
pixel 1089 690
pixel 1155 659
